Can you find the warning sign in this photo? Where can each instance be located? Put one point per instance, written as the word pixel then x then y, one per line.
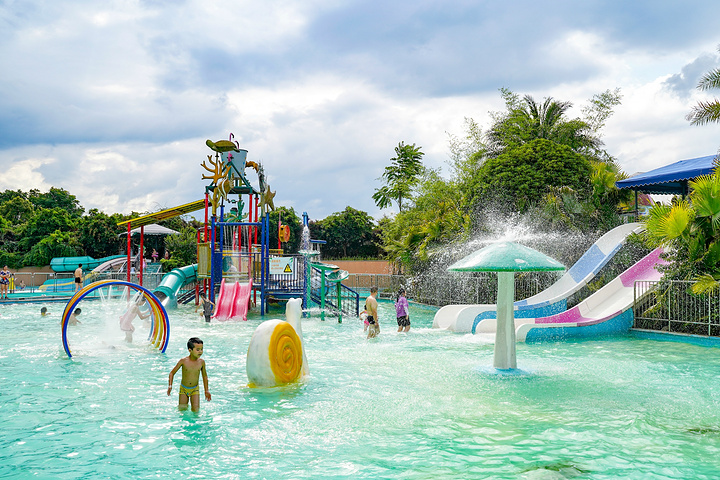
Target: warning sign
pixel 281 265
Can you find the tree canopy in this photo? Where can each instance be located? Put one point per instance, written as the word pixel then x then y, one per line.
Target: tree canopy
pixel 350 233
pixel 523 174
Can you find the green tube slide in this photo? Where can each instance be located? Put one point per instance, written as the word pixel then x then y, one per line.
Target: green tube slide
pixel 171 284
pixel 69 264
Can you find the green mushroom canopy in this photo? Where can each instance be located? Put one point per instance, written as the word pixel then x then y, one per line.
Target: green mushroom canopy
pixel 506 257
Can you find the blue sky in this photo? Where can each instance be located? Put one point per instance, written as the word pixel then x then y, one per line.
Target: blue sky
pixel 114 100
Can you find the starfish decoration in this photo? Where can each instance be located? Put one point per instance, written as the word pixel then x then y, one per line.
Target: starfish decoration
pixel 219 179
pixel 266 199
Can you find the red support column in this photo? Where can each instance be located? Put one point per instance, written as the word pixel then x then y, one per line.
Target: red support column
pixel 129 251
pixel 141 253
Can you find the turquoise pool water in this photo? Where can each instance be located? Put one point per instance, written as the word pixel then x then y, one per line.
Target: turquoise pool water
pixel 403 406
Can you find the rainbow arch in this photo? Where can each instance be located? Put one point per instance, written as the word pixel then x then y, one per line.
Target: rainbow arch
pixel 160 327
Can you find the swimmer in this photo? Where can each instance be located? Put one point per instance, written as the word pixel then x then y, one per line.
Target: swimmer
pixel 207 307
pixel 363 317
pixel 127 318
pixel 192 367
pixel 44 312
pixel 73 320
pixel 402 310
pixel 371 306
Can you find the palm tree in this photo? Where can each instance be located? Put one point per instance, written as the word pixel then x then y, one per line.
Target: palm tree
pixel 401 176
pixel 528 120
pixel 706 111
pixel 692 231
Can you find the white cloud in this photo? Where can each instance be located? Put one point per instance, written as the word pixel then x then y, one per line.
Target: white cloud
pixel 24 175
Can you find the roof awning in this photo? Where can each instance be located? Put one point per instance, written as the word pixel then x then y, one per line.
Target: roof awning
pixel 670 179
pixel 152 229
pixel 164 214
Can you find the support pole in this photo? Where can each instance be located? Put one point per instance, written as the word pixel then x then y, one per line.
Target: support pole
pixel 504 357
pixel 129 251
pixel 141 254
pixel 339 301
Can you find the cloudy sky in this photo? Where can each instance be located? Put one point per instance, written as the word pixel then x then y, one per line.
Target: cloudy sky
pixel 113 100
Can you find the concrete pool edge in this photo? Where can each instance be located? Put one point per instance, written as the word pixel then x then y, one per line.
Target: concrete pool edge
pixel 675 337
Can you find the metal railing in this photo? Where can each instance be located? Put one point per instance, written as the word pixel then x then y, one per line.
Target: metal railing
pixel 670 306
pixel 476 288
pixel 349 298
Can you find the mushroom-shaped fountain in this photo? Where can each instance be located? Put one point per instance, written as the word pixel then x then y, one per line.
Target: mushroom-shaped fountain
pixel 505 258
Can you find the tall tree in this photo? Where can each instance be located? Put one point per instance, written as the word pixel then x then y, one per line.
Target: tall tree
pixel 400 176
pixel 527 120
pixel 707 111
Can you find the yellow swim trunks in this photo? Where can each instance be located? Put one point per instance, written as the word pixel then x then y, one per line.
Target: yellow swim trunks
pixel 190 391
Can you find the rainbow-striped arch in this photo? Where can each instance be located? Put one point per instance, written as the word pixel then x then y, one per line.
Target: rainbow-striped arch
pixel 160 331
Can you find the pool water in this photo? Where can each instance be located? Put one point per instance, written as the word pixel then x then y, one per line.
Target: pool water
pixel 402 406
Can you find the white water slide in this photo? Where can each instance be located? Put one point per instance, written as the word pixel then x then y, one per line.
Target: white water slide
pixel 552 300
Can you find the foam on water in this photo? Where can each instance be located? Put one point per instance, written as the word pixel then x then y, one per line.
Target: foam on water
pixel 410 406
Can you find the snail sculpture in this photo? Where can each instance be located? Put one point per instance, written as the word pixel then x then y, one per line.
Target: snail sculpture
pixel 276 355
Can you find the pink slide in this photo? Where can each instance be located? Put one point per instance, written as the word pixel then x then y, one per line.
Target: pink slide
pixel 233 300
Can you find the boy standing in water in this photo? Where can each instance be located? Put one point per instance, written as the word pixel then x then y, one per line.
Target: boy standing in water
pixel 192 366
pixel 207 307
pixel 371 306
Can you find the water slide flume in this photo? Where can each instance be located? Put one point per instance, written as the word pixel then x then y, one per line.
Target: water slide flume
pixel 506 258
pixel 465 318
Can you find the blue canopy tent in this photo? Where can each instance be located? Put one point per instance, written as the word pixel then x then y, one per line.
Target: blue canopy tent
pixel 671 179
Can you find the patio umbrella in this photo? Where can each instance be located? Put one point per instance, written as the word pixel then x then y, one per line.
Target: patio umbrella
pixel 505 258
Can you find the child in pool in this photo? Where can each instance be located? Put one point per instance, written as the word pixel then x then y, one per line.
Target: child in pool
pixel 402 310
pixel 207 307
pixel 127 318
pixel 44 312
pixel 192 367
pixel 73 320
pixel 363 317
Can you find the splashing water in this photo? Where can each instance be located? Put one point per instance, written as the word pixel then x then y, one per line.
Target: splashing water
pixel 305 239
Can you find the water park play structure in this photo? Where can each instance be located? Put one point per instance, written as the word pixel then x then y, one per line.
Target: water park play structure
pixel 160 327
pixel 276 354
pixel 465 318
pixel 235 266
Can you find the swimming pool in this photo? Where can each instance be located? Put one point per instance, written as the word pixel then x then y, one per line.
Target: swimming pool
pixel 403 406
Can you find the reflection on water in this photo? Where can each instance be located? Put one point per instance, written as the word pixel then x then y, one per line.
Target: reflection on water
pixel 410 406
